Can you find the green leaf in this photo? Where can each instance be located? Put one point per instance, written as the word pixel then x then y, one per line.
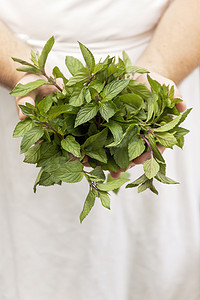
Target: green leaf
pixel 184 115
pixel 47 180
pixel 37 180
pixel 88 97
pixel 32 70
pixel 23 89
pixel 136 147
pixel 22 127
pixel 134 69
pixel 98 172
pixel 123 175
pixel 105 200
pixel 169 125
pixel 77 98
pixel 121 157
pixel 45 51
pixel 88 57
pixel 34 58
pixel 48 151
pixel 96 141
pixel 70 172
pixel 97 153
pixel 71 145
pixel 107 109
pixel 151 102
pixel 126 59
pixel 110 186
pixel 154 147
pixel 58 74
pixel 145 185
pixel 45 104
pixel 164 179
pixel 31 137
pixel 134 101
pixel 23 62
pixel 32 156
pixel 97 85
pixel 127 135
pixel 116 130
pixel 166 139
pixel 155 85
pixel 143 178
pixel 55 111
pixel 113 88
pixel 54 163
pixel 80 77
pixel 180 131
pixel 89 203
pixel 86 113
pixel 73 64
pixel 151 167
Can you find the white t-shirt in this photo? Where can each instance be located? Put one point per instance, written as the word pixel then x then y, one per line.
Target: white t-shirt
pixel 147 246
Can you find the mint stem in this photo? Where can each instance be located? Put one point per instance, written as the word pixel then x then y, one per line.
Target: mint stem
pixel 148 144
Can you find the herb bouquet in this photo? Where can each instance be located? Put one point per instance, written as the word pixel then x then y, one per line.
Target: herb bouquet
pixel 102 114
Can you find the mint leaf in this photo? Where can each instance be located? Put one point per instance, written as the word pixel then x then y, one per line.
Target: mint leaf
pixel 134 101
pixel 33 154
pixel 107 109
pixel 97 153
pixel 169 125
pixel 112 89
pixel 31 137
pixel 88 57
pixel 105 200
pixel 164 179
pixel 73 64
pixel 96 141
pixel 116 130
pixel 151 167
pixel 98 172
pixel 86 113
pixel 45 104
pixel 136 147
pixel 32 70
pixel 89 203
pixel 56 111
pixel 45 51
pixel 166 139
pixel 22 127
pixel 23 89
pixel 121 157
pixel 77 98
pixel 109 186
pixel 70 172
pixel 143 178
pixel 71 145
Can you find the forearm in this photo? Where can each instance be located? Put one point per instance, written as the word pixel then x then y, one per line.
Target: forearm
pixel 174 50
pixel 11 47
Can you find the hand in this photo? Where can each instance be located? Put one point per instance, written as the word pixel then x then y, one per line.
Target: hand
pixel 181 106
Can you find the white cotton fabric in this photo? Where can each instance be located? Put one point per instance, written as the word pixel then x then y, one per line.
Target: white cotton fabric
pixel 147 246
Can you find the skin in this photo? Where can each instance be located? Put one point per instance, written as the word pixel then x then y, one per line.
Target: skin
pixel 172 54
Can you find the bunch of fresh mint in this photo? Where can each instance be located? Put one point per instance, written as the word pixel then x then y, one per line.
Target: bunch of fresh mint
pixel 102 114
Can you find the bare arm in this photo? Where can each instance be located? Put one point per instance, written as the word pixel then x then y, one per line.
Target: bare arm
pixel 11 47
pixel 174 50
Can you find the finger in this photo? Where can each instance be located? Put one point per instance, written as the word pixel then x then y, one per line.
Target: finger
pixel 115 174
